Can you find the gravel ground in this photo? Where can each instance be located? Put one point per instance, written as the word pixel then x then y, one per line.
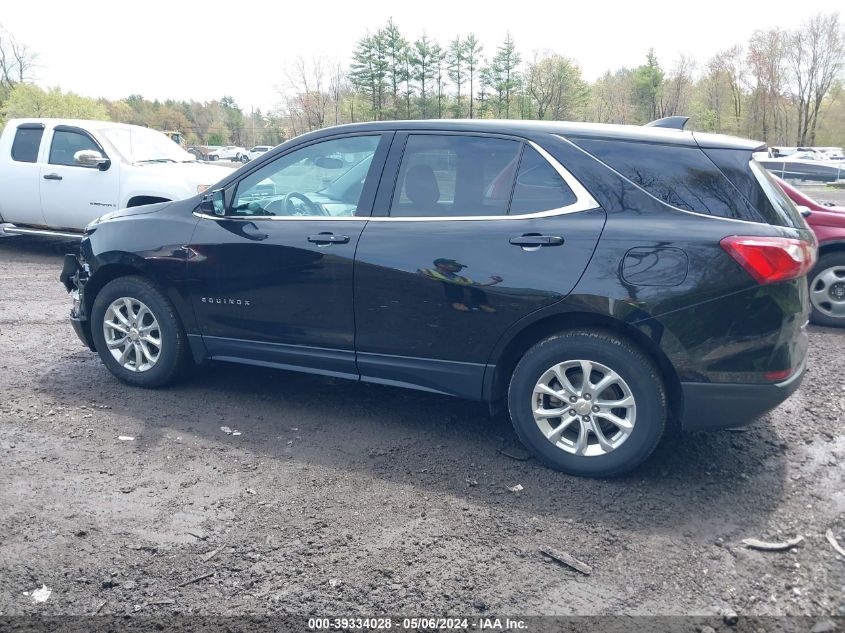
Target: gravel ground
pixel 337 498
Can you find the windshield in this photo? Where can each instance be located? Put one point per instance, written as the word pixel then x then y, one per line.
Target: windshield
pixel 137 145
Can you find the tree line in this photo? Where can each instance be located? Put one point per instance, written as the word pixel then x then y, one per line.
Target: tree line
pixel 782 86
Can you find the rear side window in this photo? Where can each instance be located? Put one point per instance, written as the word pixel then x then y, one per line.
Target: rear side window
pixel 681 176
pixel 538 186
pixel 66 143
pixel 756 184
pixel 454 175
pixel 26 144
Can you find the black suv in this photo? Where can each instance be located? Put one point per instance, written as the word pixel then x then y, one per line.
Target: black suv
pixel 595 280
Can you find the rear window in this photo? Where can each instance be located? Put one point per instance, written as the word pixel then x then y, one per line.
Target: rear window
pixel 26 144
pixel 681 176
pixel 758 187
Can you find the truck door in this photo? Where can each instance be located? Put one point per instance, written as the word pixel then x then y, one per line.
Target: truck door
pixel 21 203
pixel 73 195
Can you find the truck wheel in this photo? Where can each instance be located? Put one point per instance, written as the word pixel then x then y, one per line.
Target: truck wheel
pixel 137 333
pixel 827 290
pixel 588 403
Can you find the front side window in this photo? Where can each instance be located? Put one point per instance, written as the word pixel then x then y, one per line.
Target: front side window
pixel 322 179
pixel 66 143
pixel 26 144
pixel 453 175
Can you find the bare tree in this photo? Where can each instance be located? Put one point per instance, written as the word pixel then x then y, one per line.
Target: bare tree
pixel 766 60
pixel 308 94
pixel 815 55
pixel 676 91
pixel 17 61
pixel 730 64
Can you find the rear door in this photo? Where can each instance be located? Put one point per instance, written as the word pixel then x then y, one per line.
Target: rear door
pixel 469 234
pixel 73 195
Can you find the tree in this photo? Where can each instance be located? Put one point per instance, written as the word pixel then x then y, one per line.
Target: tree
pixel 815 54
pixel 648 88
pixel 730 64
pixel 369 70
pixel 397 68
pixel 423 60
pixel 678 86
pixel 457 71
pixel 28 100
pixel 766 61
pixel 612 98
pixel 555 86
pixel 438 56
pixel 472 54
pixel 17 62
pixel 504 75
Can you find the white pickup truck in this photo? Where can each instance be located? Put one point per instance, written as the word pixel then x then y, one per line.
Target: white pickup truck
pixel 58 175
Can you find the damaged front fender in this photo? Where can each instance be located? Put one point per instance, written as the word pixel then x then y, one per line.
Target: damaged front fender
pixel 74 275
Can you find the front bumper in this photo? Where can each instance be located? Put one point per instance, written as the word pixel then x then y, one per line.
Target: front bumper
pixel 73 277
pixel 719 406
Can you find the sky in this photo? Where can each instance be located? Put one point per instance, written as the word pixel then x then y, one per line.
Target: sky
pixel 184 49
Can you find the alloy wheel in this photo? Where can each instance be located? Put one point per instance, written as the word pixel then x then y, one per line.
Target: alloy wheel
pixel 584 408
pixel 132 334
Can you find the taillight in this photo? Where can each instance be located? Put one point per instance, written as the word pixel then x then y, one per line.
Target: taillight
pixel 771 259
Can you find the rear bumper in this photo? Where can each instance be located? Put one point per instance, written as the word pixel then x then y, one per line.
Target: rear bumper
pixel 719 406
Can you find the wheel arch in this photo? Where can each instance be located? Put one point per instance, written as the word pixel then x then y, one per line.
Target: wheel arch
pixel 831 247
pixel 106 273
pixel 506 359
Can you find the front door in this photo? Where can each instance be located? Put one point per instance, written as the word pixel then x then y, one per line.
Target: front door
pixel 73 195
pixel 477 233
pixel 270 271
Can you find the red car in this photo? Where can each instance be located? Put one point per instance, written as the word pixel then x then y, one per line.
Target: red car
pixel 827 279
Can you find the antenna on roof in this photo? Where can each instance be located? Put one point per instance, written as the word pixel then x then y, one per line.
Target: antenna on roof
pixel 671 122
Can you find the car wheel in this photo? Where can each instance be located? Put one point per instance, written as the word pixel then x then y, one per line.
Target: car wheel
pixel 588 403
pixel 137 333
pixel 213 157
pixel 827 290
pixel 244 159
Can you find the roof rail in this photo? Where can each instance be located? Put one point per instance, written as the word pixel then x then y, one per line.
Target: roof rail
pixel 672 122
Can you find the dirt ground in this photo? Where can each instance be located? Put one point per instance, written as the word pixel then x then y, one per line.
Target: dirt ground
pixel 338 498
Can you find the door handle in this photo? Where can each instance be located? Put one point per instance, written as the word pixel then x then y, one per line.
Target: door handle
pixel 325 239
pixel 52 177
pixel 533 239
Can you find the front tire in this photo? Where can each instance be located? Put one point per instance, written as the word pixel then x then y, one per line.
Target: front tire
pixel 138 334
pixel 827 290
pixel 588 403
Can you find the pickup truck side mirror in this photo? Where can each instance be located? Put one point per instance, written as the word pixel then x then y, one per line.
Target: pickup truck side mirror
pixel 91 158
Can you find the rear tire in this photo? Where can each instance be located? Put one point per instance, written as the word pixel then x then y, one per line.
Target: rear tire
pixel 138 334
pixel 597 440
pixel 827 290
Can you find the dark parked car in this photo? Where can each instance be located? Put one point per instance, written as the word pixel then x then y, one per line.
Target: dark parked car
pixel 595 280
pixel 827 279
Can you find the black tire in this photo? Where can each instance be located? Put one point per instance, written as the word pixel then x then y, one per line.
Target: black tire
pixel 829 262
pixel 615 353
pixel 174 354
pixel 213 157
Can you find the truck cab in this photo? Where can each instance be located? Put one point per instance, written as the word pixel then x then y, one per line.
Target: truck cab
pixel 58 175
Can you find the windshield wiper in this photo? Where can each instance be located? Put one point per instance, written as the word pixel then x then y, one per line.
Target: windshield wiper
pixel 156 160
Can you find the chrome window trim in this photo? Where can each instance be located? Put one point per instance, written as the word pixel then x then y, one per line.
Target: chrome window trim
pixel 583 202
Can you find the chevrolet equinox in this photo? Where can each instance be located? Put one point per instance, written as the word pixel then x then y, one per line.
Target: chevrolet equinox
pixel 596 281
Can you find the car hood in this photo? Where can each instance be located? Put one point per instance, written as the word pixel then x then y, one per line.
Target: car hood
pixel 123 213
pixel 193 172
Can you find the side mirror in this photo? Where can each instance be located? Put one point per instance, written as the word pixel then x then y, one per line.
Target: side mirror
pixel 805 211
pixel 91 158
pixel 214 203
